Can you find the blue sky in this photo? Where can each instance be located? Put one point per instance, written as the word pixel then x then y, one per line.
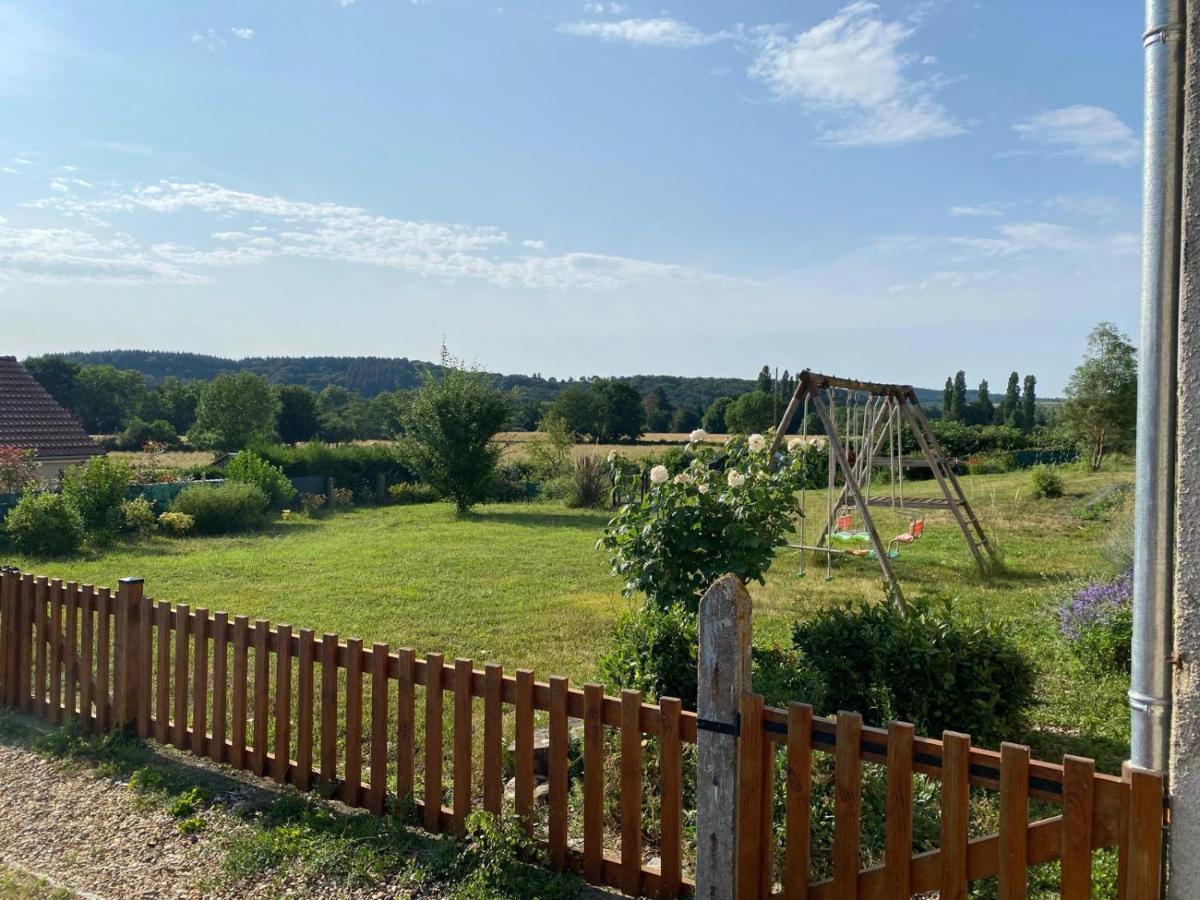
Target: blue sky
pixel 887 190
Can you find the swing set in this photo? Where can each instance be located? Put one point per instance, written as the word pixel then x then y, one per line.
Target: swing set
pixel 868 434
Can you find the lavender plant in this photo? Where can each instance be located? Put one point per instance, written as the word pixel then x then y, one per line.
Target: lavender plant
pixel 1097 622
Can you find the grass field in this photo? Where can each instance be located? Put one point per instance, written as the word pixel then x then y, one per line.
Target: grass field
pixel 523 584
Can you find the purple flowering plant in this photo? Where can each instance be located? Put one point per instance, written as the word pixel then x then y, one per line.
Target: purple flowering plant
pixel 1098 623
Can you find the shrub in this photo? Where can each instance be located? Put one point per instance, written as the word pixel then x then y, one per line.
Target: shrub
pixel 139 432
pixel 653 651
pixel 250 468
pixel 590 483
pixel 225 508
pixel 930 667
pixel 407 494
pixel 702 523
pixel 312 503
pixel 44 524
pixel 96 490
pixel 346 464
pixel 1098 624
pixel 177 523
pixel 1047 483
pixel 342 498
pixel 990 463
pixel 138 515
pixel 18 468
pixel 511 479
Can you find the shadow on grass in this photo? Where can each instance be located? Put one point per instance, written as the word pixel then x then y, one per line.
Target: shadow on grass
pixel 590 520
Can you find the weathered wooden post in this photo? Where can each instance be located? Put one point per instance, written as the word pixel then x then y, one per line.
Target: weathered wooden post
pixel 329 486
pixel 723 675
pixel 128 651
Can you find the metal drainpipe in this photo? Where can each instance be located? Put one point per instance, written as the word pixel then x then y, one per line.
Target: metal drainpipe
pixel 1154 515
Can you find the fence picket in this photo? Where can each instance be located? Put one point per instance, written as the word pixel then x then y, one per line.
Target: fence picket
pixel 1144 843
pixel 406 714
pixel 493 737
pixel 379 727
pixel 56 642
pixel 1012 877
pixel 524 745
pixel 145 658
pixel 329 692
pixel 670 777
pixel 433 741
pixel 25 617
pixel 956 783
pixel 304 713
pixel 71 647
pixel 162 673
pixel 750 798
pixel 898 843
pixel 1079 775
pixel 463 669
pixel 182 621
pixel 241 671
pixel 220 683
pixel 799 801
pixel 41 627
pixel 847 804
pixel 262 696
pixel 283 701
pixel 103 656
pixel 352 782
pixel 200 682
pixel 558 772
pixel 631 792
pixel 593 783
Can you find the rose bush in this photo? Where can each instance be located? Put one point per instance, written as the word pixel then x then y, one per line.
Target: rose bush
pixel 727 510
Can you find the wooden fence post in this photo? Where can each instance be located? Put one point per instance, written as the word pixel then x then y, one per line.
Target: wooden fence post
pixel 722 677
pixel 128 652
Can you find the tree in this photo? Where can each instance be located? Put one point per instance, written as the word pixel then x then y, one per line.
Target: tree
pixel 1101 406
pixel 620 414
pixel 685 419
pixel 105 398
pixel 298 420
pixel 172 401
pixel 56 374
pixel 766 384
pixel 450 426
pixel 236 412
pixel 984 410
pixel 958 400
pixel 948 398
pixel 337 412
pixel 714 416
pixel 1029 404
pixel 1010 409
pixel 749 413
pixel 659 409
pixel 576 405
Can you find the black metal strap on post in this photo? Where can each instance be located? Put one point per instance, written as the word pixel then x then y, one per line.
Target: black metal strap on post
pixel 734 728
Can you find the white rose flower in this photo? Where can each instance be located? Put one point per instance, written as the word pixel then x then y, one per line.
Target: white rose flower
pixel 682 478
pixel 735 478
pixel 612 455
pixel 698 435
pixel 756 442
pixel 795 444
pixel 702 488
pixel 659 474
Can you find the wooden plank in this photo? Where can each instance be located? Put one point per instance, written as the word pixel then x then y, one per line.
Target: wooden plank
pixel 25 617
pixel 241 647
pixel 182 618
pixel 1144 867
pixel 847 804
pixel 799 801
pixel 956 755
pixel 433 741
pixel 631 792
pixel 41 626
pixel 593 783
pixel 283 701
pixel 71 649
pixel 1078 779
pixel 379 727
pixel 262 695
pixel 898 842
pixel 145 658
pixel 8 635
pixel 220 685
pixel 103 685
pixel 405 721
pixel 1012 876
pixel 524 745
pixel 352 782
pixel 750 799
pixel 329 692
pixel 463 669
pixel 200 682
pixel 56 654
pixel 493 738
pixel 162 671
pixel 670 777
pixel 558 772
pixel 304 712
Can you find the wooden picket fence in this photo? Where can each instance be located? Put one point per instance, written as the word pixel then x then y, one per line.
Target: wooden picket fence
pixel 300 709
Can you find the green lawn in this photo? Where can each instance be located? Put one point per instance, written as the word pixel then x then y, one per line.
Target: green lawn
pixel 524 585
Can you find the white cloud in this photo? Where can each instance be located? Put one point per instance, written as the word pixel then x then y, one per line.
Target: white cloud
pixel 9 170
pixel 208 39
pixel 593 6
pixel 660 32
pixel 344 3
pixel 850 69
pixel 979 209
pixel 278 227
pixel 534 245
pixel 1091 133
pixel 22 161
pixel 244 34
pixel 60 186
pixel 1025 237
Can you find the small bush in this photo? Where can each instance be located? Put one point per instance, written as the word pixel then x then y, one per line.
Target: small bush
pixel 138 433
pixel 1047 483
pixel 930 667
pixel 343 498
pixel 1098 624
pixel 591 483
pixel 510 482
pixel 249 468
pixel 96 490
pixel 990 463
pixel 1119 542
pixel 43 524
pixel 138 515
pixel 225 508
pixel 312 504
pixel 653 651
pixel 406 494
pixel 177 523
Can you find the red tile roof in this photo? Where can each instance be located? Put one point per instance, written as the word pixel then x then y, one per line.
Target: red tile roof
pixel 30 418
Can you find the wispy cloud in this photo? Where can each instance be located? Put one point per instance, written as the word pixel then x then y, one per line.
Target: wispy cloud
pixel 595 7
pixel 850 70
pixel 209 39
pixel 1091 133
pixel 660 32
pixel 979 209
pixel 1025 237
pixel 242 34
pixel 256 228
